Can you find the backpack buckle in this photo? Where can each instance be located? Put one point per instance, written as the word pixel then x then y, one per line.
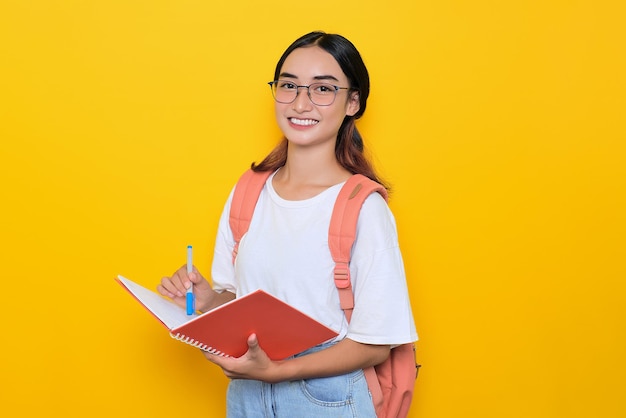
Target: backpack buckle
pixel 342 275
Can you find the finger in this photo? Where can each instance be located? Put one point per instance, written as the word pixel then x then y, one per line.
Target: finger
pixel 163 291
pixel 199 281
pixel 180 279
pixel 172 285
pixel 196 277
pixel 211 357
pixel 218 360
pixel 187 279
pixel 253 342
pixel 167 288
pixel 192 277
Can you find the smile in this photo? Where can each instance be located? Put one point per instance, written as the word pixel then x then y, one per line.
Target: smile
pixel 303 122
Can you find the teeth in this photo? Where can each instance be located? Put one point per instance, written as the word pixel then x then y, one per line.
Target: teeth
pixel 303 122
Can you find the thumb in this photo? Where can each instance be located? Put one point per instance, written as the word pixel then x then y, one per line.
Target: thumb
pixel 195 277
pixel 199 282
pixel 253 342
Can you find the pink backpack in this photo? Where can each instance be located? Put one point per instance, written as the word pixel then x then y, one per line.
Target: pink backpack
pixel 392 382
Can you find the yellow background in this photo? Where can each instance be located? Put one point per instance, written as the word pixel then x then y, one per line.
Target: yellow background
pixel 124 124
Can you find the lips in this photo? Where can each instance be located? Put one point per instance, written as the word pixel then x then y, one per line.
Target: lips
pixel 303 122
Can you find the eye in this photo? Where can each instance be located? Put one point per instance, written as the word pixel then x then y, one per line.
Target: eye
pixel 286 85
pixel 323 89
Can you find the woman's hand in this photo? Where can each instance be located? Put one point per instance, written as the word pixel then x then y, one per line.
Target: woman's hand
pixel 345 356
pixel 176 286
pixel 254 364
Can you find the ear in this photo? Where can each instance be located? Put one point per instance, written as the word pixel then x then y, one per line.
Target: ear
pixel 353 104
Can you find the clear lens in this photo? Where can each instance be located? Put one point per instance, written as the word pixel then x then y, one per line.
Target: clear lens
pixel 321 94
pixel 284 91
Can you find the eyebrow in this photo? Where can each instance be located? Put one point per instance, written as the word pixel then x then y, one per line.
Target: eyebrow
pixel 317 77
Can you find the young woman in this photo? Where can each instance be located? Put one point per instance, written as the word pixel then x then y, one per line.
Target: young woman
pixel 320 88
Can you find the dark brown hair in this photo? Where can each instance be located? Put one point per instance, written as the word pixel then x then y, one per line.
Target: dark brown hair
pixel 349 149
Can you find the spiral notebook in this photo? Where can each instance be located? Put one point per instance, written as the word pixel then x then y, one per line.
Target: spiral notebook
pixel 281 329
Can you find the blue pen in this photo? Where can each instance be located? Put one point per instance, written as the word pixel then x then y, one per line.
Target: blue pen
pixel 190 302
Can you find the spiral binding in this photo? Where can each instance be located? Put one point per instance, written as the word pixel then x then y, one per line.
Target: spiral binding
pixel 198 344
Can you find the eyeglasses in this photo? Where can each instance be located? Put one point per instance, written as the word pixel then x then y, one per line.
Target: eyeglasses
pixel 321 94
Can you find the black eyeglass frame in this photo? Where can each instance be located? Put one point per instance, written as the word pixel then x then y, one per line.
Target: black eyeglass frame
pixel 308 91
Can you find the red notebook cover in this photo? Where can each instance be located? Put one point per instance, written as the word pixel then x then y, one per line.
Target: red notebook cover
pixel 281 329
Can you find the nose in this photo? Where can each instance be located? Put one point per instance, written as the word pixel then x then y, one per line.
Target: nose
pixel 303 101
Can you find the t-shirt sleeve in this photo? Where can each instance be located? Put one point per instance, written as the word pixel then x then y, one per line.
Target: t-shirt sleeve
pixel 382 309
pixel 222 270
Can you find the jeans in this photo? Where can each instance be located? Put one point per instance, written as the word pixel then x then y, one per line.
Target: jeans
pixel 338 396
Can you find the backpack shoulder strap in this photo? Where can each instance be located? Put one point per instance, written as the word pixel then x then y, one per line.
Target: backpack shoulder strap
pixel 245 197
pixel 342 232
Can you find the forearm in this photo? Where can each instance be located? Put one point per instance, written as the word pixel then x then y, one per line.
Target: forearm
pixel 343 357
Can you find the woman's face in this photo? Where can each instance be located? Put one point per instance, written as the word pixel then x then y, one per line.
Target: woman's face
pixel 302 122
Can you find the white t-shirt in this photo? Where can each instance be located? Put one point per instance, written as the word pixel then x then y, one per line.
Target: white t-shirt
pixel 285 252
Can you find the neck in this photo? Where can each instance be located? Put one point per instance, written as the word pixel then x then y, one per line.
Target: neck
pixel 308 172
pixel 313 165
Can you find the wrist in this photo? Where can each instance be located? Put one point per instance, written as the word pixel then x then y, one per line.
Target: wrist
pixel 282 371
